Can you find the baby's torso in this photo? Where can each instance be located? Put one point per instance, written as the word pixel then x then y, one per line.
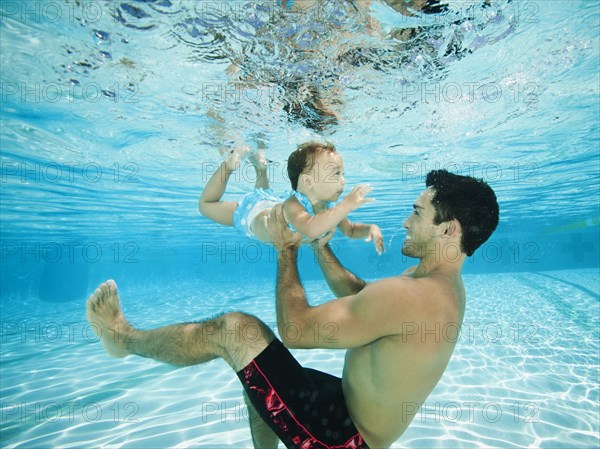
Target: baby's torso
pixel 305 202
pixel 258 217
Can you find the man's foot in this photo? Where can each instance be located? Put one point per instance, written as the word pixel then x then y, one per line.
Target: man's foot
pixel 232 162
pixel 106 318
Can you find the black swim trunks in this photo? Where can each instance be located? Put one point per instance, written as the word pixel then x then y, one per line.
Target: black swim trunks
pixel 304 407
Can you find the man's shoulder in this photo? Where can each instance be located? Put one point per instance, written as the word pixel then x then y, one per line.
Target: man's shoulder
pixel 405 289
pixel 390 287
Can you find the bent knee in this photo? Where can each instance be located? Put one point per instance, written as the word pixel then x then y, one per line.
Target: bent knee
pixel 207 207
pixel 218 211
pixel 242 338
pixel 247 328
pixel 202 207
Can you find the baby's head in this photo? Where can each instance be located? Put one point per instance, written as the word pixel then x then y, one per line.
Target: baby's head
pixel 304 159
pixel 317 168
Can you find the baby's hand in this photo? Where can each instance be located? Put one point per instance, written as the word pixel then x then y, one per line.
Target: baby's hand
pixel 357 197
pixel 375 235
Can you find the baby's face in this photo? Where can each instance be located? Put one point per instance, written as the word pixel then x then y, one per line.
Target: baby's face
pixel 328 176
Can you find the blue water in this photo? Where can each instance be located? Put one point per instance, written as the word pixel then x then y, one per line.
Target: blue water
pixel 108 134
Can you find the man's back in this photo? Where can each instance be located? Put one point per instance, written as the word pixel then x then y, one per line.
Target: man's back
pixel 387 380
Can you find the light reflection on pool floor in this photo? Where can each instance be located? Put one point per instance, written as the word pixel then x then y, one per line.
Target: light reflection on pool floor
pixel 524 373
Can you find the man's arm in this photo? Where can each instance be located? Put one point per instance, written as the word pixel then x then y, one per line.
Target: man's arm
pixel 341 281
pixel 291 304
pixel 345 322
pixel 342 323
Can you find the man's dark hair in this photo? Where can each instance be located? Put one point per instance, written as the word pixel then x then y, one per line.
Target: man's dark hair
pixel 303 159
pixel 470 201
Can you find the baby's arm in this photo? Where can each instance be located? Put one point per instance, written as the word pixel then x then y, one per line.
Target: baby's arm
pixel 362 230
pixel 313 226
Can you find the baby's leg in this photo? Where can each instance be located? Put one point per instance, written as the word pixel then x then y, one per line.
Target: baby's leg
pixel 210 204
pixel 260 165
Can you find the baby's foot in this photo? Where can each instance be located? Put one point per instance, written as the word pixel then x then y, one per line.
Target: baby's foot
pixel 232 163
pixel 258 159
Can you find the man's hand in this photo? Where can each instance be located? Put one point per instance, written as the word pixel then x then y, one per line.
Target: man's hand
pixel 320 243
pixel 280 235
pixel 375 235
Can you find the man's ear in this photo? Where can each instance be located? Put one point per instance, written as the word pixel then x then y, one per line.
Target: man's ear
pixel 452 228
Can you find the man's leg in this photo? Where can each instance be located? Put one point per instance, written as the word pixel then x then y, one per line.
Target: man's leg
pixel 262 435
pixel 236 337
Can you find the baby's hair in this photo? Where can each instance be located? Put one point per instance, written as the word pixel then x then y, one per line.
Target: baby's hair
pixel 304 157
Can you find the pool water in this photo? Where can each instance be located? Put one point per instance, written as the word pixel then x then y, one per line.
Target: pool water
pixel 112 117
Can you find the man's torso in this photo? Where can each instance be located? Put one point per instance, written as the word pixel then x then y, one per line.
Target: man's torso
pixel 386 381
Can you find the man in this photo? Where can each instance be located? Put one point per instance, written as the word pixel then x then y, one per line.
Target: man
pixel 392 329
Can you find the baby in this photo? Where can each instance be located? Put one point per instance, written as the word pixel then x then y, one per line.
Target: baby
pixel 316 172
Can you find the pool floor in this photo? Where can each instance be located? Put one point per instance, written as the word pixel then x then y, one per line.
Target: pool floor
pixel 524 373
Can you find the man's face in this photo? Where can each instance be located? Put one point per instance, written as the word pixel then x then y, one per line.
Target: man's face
pixel 328 176
pixel 421 233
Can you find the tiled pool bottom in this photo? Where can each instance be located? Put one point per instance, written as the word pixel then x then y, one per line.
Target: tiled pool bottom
pixel 524 373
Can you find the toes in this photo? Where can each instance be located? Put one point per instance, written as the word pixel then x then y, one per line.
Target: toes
pixel 102 293
pixel 98 294
pixel 105 290
pixel 112 287
pixel 90 304
pixel 100 300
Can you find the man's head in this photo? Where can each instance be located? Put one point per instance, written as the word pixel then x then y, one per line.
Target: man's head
pixel 454 210
pixel 468 200
pixel 317 168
